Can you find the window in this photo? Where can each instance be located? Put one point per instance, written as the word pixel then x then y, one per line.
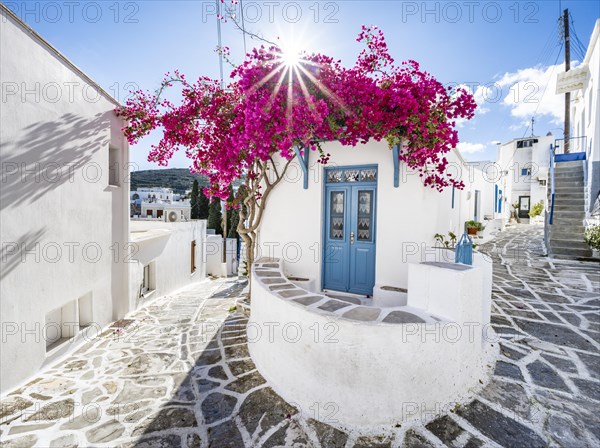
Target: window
pixel 525 171
pixel 148 279
pixel 526 143
pixel 148 212
pixel 113 166
pixel 193 256
pixel 61 324
pixel 543 182
pixel 336 205
pixel 85 310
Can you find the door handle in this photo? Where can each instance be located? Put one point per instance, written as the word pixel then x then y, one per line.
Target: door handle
pixel 351 237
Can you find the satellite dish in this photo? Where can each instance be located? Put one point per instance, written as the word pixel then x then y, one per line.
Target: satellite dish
pixel 172 216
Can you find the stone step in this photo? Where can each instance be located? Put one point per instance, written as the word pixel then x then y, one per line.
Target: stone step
pixel 574 243
pixel 564 208
pixel 568 196
pixel 566 233
pixel 563 190
pixel 576 199
pixel 568 169
pixel 566 165
pixel 570 184
pixel 556 229
pixel 562 212
pixel 569 206
pixel 566 221
pixel 571 253
pixel 568 172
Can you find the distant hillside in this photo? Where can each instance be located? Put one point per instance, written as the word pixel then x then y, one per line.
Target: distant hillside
pixel 179 179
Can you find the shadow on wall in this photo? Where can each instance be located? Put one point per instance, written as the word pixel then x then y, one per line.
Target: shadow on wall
pixel 13 253
pixel 49 154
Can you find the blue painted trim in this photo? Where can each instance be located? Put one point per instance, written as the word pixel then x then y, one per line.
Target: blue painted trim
pixel 453 196
pixel 551 209
pixel 569 157
pixel 499 201
pixel 495 198
pixel 303 163
pixel 396 160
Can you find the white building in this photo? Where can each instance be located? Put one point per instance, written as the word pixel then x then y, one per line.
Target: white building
pixel 352 230
pixel 167 257
pixel 159 203
pixel 524 165
pixel 154 194
pixel 353 251
pixel 69 265
pixel 481 188
pixel 64 204
pixel 585 116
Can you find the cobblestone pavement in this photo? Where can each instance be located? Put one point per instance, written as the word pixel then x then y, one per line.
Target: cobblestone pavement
pixel 181 375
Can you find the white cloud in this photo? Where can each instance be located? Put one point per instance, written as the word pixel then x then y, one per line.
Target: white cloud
pixel 470 148
pixel 531 91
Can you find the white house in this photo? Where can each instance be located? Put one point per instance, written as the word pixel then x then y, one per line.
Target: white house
pixel 352 229
pixel 483 176
pixel 63 204
pixel 168 256
pixel 348 258
pixel 69 264
pixel 524 165
pixel 585 116
pixel 159 203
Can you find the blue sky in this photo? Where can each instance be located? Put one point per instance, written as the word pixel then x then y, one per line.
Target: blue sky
pixel 503 50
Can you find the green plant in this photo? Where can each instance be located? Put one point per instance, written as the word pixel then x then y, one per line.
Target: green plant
pixel 441 239
pixel 592 236
pixel 536 209
pixel 453 238
pixel 474 225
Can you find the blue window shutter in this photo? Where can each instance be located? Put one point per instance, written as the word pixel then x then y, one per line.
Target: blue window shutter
pixel 495 198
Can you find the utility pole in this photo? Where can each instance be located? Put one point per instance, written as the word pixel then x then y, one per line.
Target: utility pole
pixel 224 226
pixel 567 130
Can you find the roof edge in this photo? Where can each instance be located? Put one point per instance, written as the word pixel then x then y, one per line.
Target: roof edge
pixel 10 14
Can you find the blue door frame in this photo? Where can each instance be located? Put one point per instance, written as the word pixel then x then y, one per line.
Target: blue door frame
pixel 349 231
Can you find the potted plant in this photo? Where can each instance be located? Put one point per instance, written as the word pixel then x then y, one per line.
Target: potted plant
pixel 592 238
pixel 536 210
pixel 514 214
pixel 473 227
pixel 445 243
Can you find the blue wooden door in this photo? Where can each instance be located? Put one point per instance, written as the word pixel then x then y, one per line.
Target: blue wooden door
pixel 349 252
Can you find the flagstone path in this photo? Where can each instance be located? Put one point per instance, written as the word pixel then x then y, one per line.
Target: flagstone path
pixel 180 374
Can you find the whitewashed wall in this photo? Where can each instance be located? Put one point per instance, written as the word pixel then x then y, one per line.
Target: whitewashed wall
pixel 168 246
pixel 407 216
pixel 586 116
pixel 513 184
pixel 63 227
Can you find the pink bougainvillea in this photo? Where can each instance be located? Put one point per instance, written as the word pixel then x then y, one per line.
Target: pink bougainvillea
pixel 270 106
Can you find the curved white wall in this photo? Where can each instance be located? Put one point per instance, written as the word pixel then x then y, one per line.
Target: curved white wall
pixel 364 374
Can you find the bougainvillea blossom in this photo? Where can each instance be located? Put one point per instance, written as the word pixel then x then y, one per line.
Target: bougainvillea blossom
pixel 269 106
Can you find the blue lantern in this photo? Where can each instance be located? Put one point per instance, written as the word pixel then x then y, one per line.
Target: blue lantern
pixel 464 250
